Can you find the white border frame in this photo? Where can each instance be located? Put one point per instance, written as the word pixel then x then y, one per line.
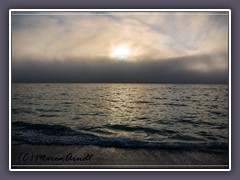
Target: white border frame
pixel 117 10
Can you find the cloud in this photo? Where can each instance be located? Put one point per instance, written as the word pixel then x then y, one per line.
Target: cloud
pixel 188 69
pixel 185 44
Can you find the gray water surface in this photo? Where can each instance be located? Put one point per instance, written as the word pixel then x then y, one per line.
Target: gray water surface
pixel 121 115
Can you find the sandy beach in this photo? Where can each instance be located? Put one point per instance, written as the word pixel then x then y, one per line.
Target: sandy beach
pixel 81 157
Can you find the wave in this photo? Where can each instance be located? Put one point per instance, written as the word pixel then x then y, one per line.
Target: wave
pixel 138 128
pixel 42 134
pixel 199 123
pixel 51 130
pixel 143 102
pixel 174 104
pixel 48 115
pixel 160 98
pixel 142 118
pixel 21 111
pixel 48 110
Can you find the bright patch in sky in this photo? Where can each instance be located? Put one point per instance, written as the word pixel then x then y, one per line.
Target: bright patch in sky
pixel 121 53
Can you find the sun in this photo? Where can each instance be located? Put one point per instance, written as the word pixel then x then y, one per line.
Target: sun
pixel 121 53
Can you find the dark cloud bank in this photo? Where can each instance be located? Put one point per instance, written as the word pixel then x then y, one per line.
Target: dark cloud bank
pixel 109 71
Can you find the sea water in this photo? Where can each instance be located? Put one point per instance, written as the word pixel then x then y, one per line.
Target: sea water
pixel 161 116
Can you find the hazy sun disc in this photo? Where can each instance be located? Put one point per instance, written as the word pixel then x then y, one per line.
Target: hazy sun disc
pixel 121 53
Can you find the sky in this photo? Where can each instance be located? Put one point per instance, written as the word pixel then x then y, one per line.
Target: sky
pixel 120 47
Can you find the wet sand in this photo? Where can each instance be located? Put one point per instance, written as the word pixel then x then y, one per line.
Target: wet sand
pixel 26 156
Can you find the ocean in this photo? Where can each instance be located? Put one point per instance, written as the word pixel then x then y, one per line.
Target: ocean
pixel 125 116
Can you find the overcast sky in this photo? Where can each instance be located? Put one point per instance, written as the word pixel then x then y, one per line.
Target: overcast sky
pixel 159 47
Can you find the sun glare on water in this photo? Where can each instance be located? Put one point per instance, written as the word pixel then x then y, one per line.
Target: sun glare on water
pixel 121 53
